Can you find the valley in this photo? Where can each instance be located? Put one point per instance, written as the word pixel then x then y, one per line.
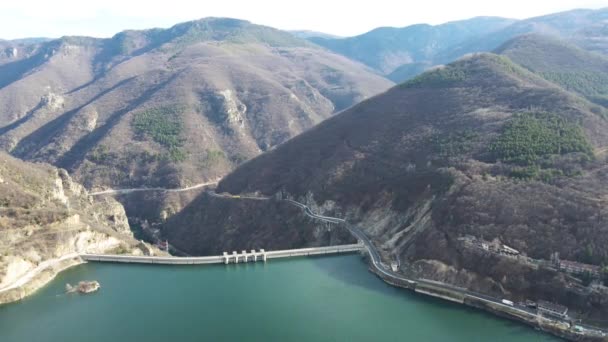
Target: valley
pixel 464 161
pixel 169 108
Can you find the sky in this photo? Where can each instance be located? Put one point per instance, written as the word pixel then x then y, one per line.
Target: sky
pixel 104 18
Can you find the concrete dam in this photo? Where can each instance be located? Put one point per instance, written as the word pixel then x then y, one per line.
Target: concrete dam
pixel 225 258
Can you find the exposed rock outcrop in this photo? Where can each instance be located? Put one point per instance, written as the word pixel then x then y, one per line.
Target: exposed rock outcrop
pixel 47 220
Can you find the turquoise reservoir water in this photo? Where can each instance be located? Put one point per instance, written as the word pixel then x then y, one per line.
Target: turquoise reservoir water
pixel 307 299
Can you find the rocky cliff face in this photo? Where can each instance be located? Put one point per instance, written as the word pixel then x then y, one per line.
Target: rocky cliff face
pixel 46 216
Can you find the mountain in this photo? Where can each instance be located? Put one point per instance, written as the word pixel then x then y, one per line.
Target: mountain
pixel 387 48
pixel 581 27
pixel 402 53
pixel 45 216
pixel 169 107
pixel 571 67
pixel 594 37
pixel 305 34
pixel 479 149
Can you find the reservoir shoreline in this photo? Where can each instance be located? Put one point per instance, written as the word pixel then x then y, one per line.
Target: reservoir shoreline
pixel 504 311
pixel 322 298
pixel 38 279
pixel 48 274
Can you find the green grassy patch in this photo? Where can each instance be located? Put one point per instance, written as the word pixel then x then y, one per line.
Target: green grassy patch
pixel 162 125
pixel 533 141
pixel 213 157
pixel 593 85
pixel 100 154
pixel 529 137
pixel 438 78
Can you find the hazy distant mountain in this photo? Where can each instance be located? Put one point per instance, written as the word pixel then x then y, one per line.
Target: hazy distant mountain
pixel 27 41
pixel 169 107
pixel 582 27
pixel 481 147
pixel 401 53
pixel 573 68
pixel 305 34
pixel 387 48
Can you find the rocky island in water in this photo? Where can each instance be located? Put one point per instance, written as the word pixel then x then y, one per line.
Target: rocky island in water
pixel 83 287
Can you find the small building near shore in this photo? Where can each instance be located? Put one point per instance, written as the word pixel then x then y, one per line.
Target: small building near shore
pixel 579 268
pixel 509 251
pixel 163 245
pixel 552 309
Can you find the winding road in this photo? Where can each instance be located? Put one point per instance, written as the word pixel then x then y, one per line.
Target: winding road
pixel 29 275
pixel 128 191
pixel 356 232
pixel 376 259
pixel 376 262
pixel 230 196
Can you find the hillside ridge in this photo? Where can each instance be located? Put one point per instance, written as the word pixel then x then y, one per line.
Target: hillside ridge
pixel 481 147
pixel 169 107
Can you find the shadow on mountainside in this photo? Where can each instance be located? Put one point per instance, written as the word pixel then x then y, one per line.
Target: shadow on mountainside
pixel 76 154
pixel 20 121
pixel 14 71
pixel 44 134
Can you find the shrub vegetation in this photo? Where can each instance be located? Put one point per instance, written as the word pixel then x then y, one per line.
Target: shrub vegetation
pixel 163 125
pixel 437 78
pixel 531 141
pixel 529 137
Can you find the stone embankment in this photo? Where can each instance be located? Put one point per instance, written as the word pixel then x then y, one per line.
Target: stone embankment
pixel 456 295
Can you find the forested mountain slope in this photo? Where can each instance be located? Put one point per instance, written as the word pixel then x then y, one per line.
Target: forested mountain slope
pixel 573 68
pixel 481 148
pixel 402 53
